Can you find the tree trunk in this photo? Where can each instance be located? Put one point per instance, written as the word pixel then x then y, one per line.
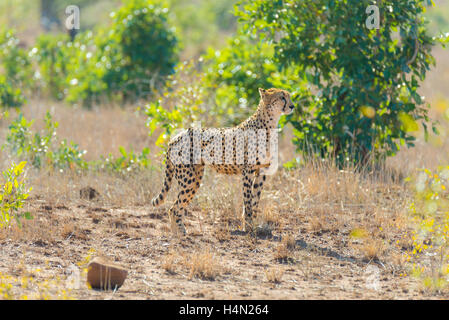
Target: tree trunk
pixel 49 17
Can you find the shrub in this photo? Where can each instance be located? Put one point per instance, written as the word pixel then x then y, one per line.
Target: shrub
pixel 125 61
pixel 15 71
pixel 430 220
pixel 128 162
pixel 44 149
pixel 236 73
pixel 39 148
pixel 13 194
pixel 141 48
pixel 52 54
pixel 366 81
pixel 181 104
pixel 10 97
pixel 20 142
pixel 14 60
pixel 71 71
pixel 201 23
pixel 67 155
pixel 86 71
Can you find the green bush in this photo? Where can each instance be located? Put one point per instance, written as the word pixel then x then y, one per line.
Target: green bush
pixel 125 61
pixel 183 102
pixel 15 71
pixel 10 97
pixel 129 60
pixel 13 194
pixel 69 70
pixel 86 72
pixel 141 47
pixel 235 73
pixel 366 102
pixel 14 60
pixel 19 141
pixel 40 148
pixel 429 257
pixel 128 162
pixel 53 56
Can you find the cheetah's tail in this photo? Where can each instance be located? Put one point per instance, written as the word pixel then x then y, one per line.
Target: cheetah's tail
pixel 169 170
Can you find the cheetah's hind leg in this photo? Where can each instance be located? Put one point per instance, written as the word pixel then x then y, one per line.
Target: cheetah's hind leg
pixel 189 179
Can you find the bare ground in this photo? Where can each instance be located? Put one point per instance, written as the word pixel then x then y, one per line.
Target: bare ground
pixel 317 265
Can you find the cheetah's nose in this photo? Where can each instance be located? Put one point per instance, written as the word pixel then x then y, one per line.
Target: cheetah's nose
pixel 292 107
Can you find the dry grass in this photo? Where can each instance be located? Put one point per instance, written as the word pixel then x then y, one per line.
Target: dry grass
pixel 170 262
pixel 268 219
pixel 373 249
pixel 100 131
pixel 202 265
pixel 39 229
pixel 285 250
pixel 222 231
pixel 274 275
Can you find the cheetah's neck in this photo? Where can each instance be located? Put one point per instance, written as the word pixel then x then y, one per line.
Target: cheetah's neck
pixel 261 119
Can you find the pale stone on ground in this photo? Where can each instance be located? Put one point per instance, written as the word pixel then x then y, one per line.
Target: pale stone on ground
pixel 105 275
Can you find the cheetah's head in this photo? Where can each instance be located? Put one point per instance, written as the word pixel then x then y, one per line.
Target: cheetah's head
pixel 276 101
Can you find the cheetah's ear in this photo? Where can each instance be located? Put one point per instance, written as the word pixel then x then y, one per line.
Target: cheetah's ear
pixel 262 92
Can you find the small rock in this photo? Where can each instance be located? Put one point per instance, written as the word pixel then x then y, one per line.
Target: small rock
pixel 89 193
pixel 105 275
pixel 264 230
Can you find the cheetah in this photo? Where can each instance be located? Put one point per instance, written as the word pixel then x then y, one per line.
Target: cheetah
pixel 241 150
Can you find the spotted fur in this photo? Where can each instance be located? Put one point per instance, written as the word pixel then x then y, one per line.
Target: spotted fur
pixel 273 103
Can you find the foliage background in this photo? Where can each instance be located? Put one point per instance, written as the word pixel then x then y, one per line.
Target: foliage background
pixel 111 61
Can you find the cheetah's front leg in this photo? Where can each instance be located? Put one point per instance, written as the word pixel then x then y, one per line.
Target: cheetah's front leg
pixel 257 190
pixel 248 177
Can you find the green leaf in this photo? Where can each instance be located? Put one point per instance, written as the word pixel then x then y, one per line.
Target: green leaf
pixel 123 151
